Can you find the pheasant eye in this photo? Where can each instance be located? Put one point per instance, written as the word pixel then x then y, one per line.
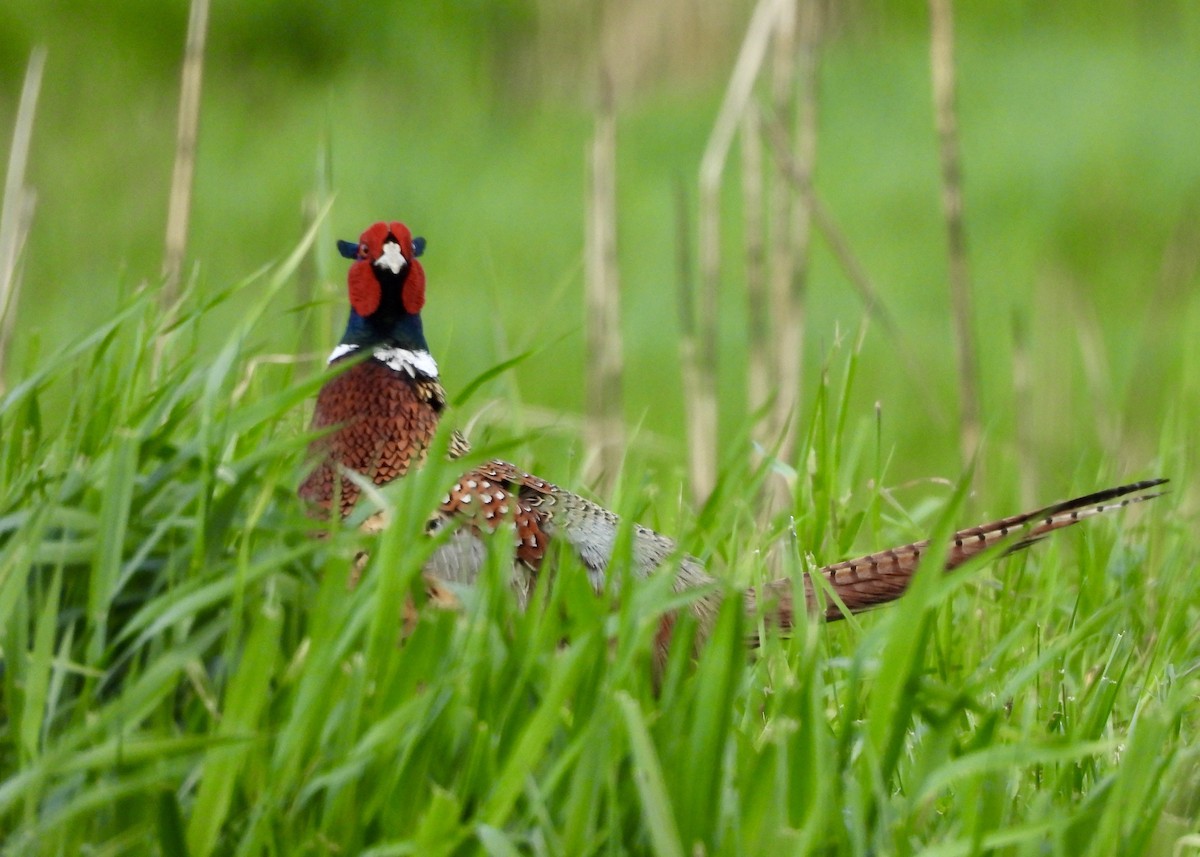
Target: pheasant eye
pixel 362 251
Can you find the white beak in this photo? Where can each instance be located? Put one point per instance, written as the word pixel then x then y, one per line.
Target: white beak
pixel 391 258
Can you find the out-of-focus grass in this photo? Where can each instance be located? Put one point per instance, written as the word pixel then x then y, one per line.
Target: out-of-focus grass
pixel 183 666
pixel 1082 187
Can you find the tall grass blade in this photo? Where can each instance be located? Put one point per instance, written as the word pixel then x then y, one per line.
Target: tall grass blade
pixel 657 810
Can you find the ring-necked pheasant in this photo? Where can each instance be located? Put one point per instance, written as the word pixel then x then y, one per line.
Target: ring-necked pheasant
pixel 385 407
pixel 386 410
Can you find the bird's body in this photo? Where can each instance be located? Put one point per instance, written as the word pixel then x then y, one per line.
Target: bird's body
pixel 381 415
pixel 380 420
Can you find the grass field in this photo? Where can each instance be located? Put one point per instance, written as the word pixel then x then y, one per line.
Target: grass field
pixel 184 670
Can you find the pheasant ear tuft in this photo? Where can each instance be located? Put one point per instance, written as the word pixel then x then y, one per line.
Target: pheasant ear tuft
pixel 418 246
pixel 348 249
pixel 365 295
pixel 414 288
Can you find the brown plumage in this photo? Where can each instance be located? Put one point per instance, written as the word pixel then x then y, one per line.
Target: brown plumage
pixel 385 421
pixel 489 495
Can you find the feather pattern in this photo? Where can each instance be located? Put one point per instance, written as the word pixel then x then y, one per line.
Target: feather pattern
pixel 380 422
pixel 499 493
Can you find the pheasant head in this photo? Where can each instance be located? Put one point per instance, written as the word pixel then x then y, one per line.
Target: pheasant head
pixel 386 285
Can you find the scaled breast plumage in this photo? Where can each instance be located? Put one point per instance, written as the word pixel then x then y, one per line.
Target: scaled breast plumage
pixel 386 420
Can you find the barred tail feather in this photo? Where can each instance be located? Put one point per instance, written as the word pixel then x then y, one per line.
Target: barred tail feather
pixel 878 578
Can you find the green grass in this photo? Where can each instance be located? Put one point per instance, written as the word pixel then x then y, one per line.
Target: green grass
pixel 185 670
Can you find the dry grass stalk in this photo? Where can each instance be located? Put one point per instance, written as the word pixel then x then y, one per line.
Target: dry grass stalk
pixel 605 434
pixel 777 493
pixel 827 225
pixel 941 25
pixel 792 79
pixel 758 327
pixel 16 210
pixel 872 300
pixel 781 263
pixel 1099 375
pixel 702 395
pixel 185 151
pixel 839 245
pixel 1022 375
pixel 689 359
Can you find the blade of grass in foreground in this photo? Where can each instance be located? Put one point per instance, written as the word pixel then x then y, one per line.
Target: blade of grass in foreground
pixel 534 737
pixel 244 700
pixel 648 777
pixel 894 697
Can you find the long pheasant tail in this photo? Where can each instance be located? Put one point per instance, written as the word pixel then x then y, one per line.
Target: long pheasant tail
pixel 881 577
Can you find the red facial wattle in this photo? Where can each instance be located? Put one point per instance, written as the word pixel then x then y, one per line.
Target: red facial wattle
pixel 363 282
pixel 413 296
pixel 365 294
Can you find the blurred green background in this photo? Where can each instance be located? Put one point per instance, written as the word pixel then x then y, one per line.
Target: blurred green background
pixel 1080 128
